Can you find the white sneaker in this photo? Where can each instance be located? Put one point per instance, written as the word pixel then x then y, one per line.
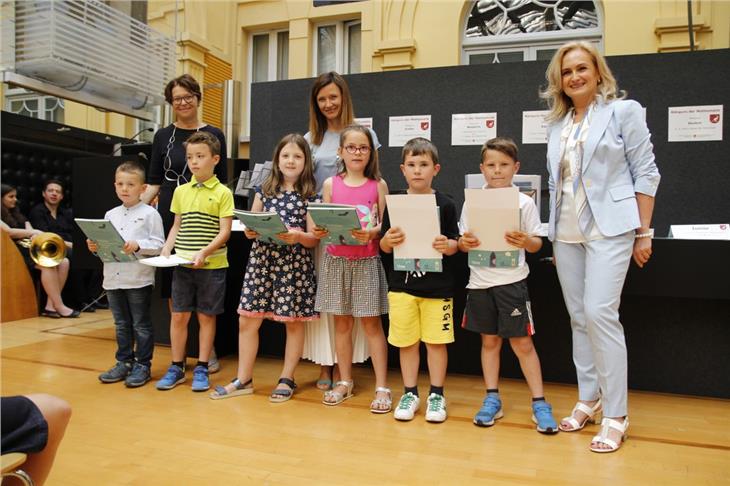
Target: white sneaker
pixel 436 408
pixel 407 407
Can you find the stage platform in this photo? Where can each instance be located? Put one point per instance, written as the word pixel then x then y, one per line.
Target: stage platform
pixel 144 436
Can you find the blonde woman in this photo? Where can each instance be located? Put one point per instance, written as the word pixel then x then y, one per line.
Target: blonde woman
pixel 602 181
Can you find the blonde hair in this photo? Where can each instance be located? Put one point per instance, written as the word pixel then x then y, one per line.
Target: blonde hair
pixel 317 120
pixel 372 169
pixel 558 102
pixel 132 167
pixel 305 185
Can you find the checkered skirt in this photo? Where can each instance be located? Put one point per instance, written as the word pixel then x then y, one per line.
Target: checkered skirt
pixel 352 287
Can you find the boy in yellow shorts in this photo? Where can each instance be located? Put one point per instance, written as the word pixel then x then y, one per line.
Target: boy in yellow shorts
pixel 421 303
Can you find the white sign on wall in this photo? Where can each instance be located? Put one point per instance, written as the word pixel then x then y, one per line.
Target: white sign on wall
pixel 534 126
pixel 403 128
pixel 473 128
pixel 695 123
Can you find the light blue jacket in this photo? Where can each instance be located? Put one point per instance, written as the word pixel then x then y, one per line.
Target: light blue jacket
pixel 618 162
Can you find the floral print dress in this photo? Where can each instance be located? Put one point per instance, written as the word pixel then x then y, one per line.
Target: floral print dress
pixel 279 283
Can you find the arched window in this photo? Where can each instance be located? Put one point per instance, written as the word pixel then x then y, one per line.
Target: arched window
pixel 527 30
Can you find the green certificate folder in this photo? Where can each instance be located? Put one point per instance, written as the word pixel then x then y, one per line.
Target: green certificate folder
pixel 267 225
pixel 338 219
pixel 107 238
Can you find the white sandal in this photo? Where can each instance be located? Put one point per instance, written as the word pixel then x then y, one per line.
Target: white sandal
pixel 593 415
pixel 377 403
pixel 602 438
pixel 333 397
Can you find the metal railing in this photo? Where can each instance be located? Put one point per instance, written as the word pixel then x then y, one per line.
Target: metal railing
pixel 90 47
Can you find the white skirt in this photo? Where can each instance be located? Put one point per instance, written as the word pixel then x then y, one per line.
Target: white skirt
pixel 319 335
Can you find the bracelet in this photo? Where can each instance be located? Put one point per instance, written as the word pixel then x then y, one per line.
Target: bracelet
pixel 648 234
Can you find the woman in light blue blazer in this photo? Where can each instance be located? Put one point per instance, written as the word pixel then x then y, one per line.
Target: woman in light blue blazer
pixel 602 181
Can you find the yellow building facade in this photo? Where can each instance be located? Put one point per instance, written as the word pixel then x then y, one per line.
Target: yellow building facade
pixel 255 40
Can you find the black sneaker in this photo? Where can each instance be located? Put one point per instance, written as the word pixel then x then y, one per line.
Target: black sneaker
pixel 117 373
pixel 139 376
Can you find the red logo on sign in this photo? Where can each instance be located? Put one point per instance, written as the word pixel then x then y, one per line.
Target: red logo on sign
pixel 490 123
pixel 714 118
pixel 723 227
pixel 424 125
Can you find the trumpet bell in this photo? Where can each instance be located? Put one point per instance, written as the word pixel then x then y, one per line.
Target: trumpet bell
pixel 47 249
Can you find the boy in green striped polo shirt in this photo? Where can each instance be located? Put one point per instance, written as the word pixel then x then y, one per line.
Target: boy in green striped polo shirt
pixel 203 213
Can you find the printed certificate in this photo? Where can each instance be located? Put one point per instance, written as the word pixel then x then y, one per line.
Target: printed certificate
pixel 473 128
pixel 534 126
pixel 403 128
pixel 695 123
pixel 164 262
pixel 366 122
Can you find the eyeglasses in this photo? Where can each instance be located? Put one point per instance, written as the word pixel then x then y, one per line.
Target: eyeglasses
pixel 353 149
pixel 187 99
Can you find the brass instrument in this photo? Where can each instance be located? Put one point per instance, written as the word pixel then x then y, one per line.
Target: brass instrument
pixel 46 249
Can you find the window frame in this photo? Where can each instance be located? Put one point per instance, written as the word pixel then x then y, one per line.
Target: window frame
pixel 273 64
pixel 529 42
pixel 342 45
pixel 529 51
pixel 22 94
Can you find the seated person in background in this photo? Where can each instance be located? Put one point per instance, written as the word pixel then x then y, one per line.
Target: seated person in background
pixel 49 215
pixel 52 279
pixel 33 425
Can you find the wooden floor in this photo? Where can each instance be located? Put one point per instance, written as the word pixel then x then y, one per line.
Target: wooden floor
pixel 121 436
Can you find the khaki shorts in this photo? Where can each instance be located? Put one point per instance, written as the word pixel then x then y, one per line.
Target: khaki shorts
pixel 414 319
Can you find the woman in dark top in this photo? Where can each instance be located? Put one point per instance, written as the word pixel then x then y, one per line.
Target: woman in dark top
pixel 168 167
pixel 53 279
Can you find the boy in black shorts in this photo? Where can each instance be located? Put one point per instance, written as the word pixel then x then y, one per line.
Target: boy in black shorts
pixel 498 304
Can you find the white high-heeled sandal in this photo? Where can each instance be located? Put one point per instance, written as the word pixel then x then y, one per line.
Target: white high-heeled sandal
pixel 602 438
pixel 593 416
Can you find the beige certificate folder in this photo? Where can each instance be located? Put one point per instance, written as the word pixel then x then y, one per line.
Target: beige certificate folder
pixel 417 216
pixel 490 214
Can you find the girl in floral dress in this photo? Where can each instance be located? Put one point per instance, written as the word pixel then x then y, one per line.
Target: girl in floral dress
pixel 279 283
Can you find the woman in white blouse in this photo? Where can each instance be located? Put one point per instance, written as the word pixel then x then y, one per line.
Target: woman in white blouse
pixel 602 181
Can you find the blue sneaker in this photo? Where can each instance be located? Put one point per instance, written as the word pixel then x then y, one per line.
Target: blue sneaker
pixel 200 379
pixel 542 415
pixel 491 410
pixel 174 376
pixel 139 375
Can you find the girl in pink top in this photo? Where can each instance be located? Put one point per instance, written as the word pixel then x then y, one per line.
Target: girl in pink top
pixel 352 281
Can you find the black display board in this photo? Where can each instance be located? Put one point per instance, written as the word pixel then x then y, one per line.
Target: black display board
pixel 695 175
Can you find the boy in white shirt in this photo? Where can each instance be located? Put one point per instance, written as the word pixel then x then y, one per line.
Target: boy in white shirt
pixel 129 285
pixel 498 304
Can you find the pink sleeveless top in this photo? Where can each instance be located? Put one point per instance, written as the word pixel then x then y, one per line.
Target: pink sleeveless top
pixel 365 197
